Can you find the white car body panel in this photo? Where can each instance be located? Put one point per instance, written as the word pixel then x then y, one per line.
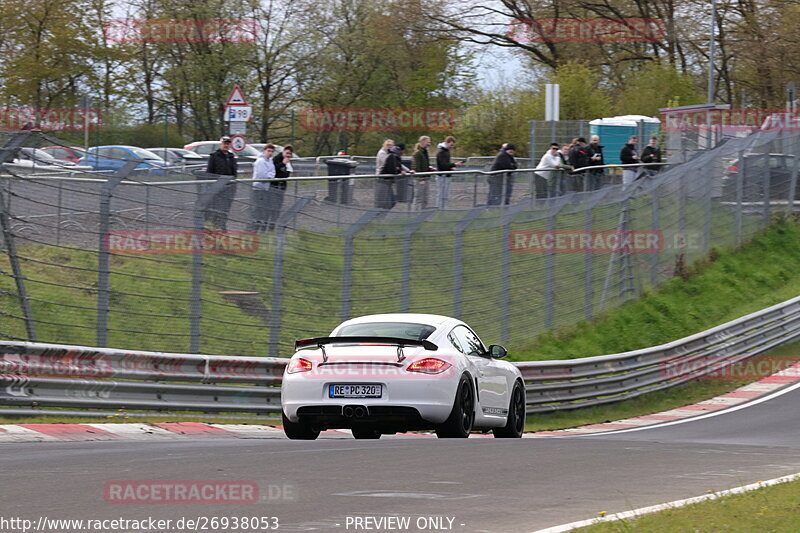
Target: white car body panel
pixel 431 395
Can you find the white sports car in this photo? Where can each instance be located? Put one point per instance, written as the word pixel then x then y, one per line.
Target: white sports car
pixel 383 374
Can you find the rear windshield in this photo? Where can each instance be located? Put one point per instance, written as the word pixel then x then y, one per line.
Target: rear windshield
pixel 400 330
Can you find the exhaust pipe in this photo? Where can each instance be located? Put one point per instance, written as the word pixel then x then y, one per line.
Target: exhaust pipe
pixel 359 412
pixel 347 411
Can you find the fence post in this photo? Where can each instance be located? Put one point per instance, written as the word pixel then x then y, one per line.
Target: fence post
pixel 654 223
pixel 793 179
pixel 205 196
pixel 103 259
pixel 8 237
pixel 549 286
pixel 408 234
pixel 505 299
pixel 347 274
pixel 457 257
pixel 767 189
pixel 707 209
pixel 740 176
pixel 276 300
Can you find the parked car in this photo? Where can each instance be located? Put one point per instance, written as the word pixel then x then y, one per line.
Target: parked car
pixel 41 158
pixel 178 157
pixel 205 148
pixel 65 153
pixel 384 374
pixel 756 168
pixel 113 157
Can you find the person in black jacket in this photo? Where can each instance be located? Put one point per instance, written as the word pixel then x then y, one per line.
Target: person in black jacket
pixel 443 162
pixel 628 156
pixel 223 163
pixel 595 159
pixel 499 183
pixel 652 154
pixel 277 189
pixel 578 157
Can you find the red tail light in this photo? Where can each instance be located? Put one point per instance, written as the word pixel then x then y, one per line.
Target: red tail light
pixel 299 365
pixel 733 168
pixel 429 365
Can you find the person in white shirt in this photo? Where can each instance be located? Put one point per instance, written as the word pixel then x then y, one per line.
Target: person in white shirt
pixel 259 206
pixel 550 159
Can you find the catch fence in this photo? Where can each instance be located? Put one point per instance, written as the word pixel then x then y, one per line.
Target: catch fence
pixel 126 260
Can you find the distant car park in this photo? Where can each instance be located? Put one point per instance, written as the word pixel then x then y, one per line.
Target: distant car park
pixel 113 157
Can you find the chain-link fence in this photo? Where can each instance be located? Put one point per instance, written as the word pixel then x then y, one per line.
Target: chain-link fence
pixel 131 259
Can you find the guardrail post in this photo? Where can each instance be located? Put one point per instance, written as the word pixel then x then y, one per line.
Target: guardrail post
pixel 276 301
pixel 8 238
pixel 347 274
pixel 408 237
pixel 205 196
pixel 740 177
pixel 103 259
pixel 458 248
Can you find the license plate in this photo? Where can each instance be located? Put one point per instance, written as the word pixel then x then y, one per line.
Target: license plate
pixel 355 391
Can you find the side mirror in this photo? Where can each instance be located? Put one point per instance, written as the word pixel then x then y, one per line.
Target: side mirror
pixel 497 351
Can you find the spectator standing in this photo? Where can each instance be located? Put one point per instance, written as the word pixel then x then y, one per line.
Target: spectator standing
pixel 222 162
pixel 422 163
pixel 578 158
pixel 629 156
pixel 596 159
pixel 260 202
pixel 652 154
pixel 500 183
pixel 277 189
pixel 387 162
pixel 444 162
pixel 550 159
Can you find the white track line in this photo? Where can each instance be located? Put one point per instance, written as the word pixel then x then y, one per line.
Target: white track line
pixel 665 506
pixel 757 401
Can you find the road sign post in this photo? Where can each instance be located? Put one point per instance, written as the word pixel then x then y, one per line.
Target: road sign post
pixel 237 114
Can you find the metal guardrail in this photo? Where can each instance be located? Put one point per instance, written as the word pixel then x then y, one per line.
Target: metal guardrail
pixel 59 376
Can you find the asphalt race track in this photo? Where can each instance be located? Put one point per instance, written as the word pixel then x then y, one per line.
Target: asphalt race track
pixel 481 484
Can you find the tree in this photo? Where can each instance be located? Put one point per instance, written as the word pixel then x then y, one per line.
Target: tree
pixel 654 86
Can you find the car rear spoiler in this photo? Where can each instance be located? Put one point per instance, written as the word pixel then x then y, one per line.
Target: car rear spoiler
pixel 319 342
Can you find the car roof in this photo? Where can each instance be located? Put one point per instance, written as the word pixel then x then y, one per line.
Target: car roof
pixel 417 318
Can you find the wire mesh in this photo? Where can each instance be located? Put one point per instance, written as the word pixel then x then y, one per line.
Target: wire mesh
pixel 89 262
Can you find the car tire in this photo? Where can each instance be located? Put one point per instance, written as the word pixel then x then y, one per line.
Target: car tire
pixel 515 426
pixel 459 424
pixel 299 430
pixel 366 433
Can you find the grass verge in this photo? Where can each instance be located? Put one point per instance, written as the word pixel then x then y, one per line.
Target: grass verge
pixel 775 509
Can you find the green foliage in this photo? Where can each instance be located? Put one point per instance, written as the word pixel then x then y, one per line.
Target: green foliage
pixel 655 86
pixel 495 116
pixel 582 92
pixel 739 282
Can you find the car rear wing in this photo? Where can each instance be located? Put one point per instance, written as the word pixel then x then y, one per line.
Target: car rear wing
pixel 321 342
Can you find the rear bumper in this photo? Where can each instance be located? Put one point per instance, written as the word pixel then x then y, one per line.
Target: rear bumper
pixel 413 402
